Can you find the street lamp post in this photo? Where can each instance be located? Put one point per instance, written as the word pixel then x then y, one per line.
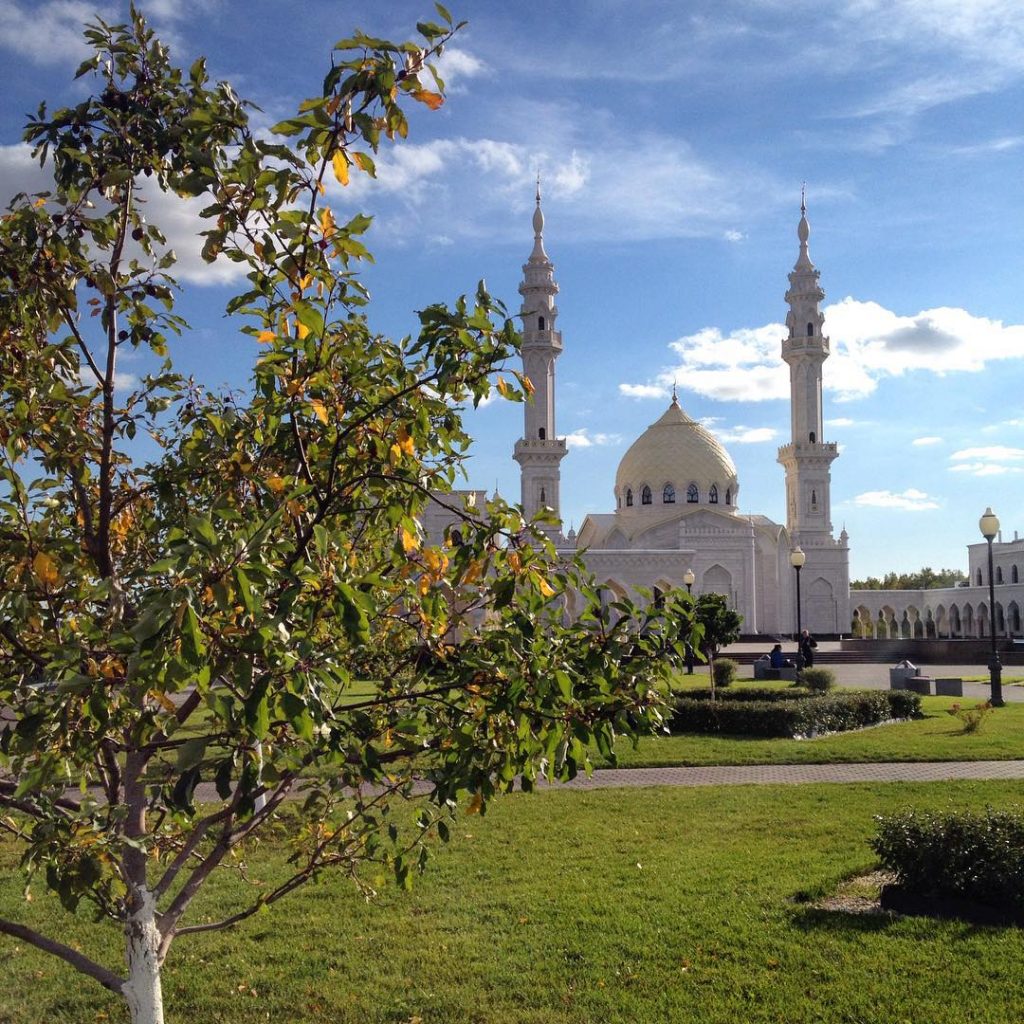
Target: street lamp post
pixel 989 526
pixel 797 559
pixel 688 579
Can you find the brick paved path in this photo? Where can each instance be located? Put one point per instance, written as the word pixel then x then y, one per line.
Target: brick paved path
pixel 788 774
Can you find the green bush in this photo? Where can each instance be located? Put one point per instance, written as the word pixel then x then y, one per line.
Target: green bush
pixel 784 713
pixel 964 855
pixel 818 679
pixel 725 670
pixel 748 693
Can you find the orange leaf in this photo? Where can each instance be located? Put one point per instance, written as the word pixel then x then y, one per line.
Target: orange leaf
pixel 340 163
pixel 410 542
pixel 477 803
pixel 276 484
pixel 45 569
pixel 302 331
pixel 432 99
pixel 265 336
pixel 405 442
pixel 320 409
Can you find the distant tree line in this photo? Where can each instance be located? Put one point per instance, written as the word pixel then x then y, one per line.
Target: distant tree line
pixel 924 579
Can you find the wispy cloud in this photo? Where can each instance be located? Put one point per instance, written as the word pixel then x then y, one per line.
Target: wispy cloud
pixel 583 438
pixel 910 500
pixel 925 442
pixel 740 434
pixel 990 460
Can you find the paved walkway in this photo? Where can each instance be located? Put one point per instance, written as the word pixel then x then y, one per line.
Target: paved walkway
pixel 790 774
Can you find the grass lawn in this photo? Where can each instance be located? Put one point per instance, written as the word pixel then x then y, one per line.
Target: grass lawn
pixel 936 737
pixel 632 906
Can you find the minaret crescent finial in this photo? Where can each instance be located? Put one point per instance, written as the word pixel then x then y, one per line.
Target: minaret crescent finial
pixel 675 393
pixel 803 198
pixel 538 188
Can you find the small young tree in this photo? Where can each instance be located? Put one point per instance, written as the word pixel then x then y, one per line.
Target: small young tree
pixel 179 634
pixel 719 625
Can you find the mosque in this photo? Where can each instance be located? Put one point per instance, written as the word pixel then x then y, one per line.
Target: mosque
pixel 677 516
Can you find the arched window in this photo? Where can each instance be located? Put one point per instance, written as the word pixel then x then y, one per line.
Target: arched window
pixel 713 494
pixel 810 330
pixel 543 496
pixel 811 435
pixel 814 499
pixel 645 495
pixel 728 495
pixel 629 497
pixel 542 434
pixel 999 574
pixel 540 323
pixel 691 494
pixel 668 495
pixel 1014 578
pixel 979 577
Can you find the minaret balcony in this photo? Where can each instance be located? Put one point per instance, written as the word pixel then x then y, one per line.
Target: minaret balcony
pixel 827 450
pixel 534 338
pixel 534 450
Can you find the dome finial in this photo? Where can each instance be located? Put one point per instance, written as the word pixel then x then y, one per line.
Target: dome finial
pixel 538 188
pixel 675 393
pixel 803 196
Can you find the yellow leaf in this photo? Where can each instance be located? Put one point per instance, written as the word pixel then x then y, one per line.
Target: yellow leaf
pixel 45 569
pixel 276 484
pixel 394 455
pixel 332 105
pixel 544 587
pixel 320 188
pixel 327 225
pixel 340 163
pixel 432 99
pixel 410 542
pixel 39 202
pixel 503 387
pixel 305 282
pixel 320 409
pixel 405 442
pixel 515 563
pixel 302 331
pixel 527 385
pixel 473 571
pixel 265 336
pixel 477 803
pixel 164 701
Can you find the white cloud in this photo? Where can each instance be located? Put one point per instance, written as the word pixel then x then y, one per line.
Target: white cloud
pixel 924 442
pixel 911 500
pixel 732 235
pixel 868 343
pixel 47 33
pixel 644 390
pixel 582 438
pixel 455 65
pixel 841 421
pixel 990 460
pixel 741 434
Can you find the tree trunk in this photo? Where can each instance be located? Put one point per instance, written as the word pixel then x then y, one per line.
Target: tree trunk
pixel 142 990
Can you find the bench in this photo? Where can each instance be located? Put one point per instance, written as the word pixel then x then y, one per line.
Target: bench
pixel 763 671
pixel 949 687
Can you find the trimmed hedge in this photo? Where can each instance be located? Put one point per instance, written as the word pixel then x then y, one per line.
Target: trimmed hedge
pixel 959 855
pixel 818 679
pixel 725 670
pixel 747 694
pixel 791 716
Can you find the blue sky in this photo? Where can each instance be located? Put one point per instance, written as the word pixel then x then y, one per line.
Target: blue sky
pixel 673 139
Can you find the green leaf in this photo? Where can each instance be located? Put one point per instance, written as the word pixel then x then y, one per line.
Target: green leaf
pixel 191 752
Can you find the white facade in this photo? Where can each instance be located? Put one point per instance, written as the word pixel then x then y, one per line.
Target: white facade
pixel 676 490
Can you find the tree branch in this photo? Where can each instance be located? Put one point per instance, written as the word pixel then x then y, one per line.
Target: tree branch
pixel 107 978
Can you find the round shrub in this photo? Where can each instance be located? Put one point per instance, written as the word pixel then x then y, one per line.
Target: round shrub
pixel 725 671
pixel 820 680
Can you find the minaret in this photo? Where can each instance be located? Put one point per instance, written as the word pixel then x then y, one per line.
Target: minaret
pixel 807 458
pixel 539 452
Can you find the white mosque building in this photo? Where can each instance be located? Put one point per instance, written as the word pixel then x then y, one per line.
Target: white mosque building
pixel 677 494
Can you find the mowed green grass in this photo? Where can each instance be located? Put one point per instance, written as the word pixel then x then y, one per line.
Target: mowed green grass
pixel 938 736
pixel 632 906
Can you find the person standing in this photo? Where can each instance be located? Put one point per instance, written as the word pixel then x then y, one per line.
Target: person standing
pixel 807 645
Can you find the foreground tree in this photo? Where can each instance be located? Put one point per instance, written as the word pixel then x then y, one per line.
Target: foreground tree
pixel 718 625
pixel 180 634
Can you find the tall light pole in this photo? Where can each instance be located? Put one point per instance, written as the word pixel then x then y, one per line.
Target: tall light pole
pixel 688 579
pixel 989 526
pixel 797 559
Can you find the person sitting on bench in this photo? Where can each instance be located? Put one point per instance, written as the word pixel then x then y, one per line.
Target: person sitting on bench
pixel 778 659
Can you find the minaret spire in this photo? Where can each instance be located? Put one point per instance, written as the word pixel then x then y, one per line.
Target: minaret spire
pixel 539 452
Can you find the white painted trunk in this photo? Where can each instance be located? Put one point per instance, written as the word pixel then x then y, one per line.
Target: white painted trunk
pixel 142 990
